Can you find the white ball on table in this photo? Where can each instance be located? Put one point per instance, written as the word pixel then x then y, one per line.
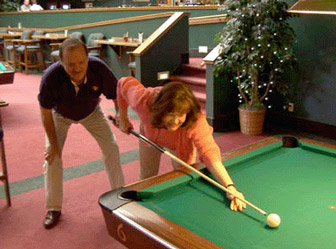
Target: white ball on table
pixel 273 220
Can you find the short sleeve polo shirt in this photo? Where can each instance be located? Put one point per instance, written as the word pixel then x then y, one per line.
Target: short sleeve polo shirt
pixel 57 91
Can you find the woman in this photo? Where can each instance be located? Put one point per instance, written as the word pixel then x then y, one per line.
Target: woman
pixel 171 117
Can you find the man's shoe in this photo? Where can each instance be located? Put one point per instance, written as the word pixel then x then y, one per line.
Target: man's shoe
pixel 51 219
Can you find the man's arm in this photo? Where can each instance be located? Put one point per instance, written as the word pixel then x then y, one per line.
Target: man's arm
pixel 116 107
pixel 49 127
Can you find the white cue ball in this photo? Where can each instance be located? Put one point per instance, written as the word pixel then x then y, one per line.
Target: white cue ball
pixel 273 220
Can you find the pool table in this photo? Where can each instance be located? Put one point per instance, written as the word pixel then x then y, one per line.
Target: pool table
pixel 295 178
pixel 6 73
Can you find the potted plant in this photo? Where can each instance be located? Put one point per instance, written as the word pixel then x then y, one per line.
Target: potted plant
pixel 9 5
pixel 256 49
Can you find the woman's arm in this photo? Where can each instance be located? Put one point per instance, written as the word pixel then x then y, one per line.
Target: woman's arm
pixel 130 92
pixel 220 172
pixel 210 155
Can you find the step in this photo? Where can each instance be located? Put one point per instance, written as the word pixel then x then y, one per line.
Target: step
pixel 193 75
pixel 195 83
pixel 201 96
pixel 194 67
pixel 191 80
pixel 196 63
pixel 202 100
pixel 192 72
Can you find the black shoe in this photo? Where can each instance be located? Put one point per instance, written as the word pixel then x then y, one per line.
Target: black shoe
pixel 51 219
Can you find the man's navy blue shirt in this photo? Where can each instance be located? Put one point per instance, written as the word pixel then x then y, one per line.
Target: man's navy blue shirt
pixel 57 91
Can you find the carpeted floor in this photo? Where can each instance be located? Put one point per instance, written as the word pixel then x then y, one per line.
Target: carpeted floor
pixel 82 224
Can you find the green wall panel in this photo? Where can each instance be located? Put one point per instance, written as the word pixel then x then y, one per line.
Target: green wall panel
pixel 314 94
pixel 199 38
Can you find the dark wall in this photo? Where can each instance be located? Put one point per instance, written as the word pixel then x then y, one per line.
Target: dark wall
pixel 166 55
pixel 314 93
pixel 74 3
pixel 114 3
pixel 98 3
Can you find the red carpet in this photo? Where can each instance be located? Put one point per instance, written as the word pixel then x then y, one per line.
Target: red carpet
pixel 82 224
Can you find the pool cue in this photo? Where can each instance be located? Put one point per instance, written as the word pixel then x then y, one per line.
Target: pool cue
pixel 175 158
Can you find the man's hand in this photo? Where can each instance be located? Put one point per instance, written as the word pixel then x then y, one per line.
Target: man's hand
pixel 52 151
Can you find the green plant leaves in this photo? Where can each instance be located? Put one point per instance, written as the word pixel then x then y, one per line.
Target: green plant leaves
pixel 9 5
pixel 256 47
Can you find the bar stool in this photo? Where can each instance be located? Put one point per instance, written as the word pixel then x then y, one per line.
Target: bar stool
pixel 131 63
pixel 11 46
pixel 4 174
pixel 94 48
pixel 31 53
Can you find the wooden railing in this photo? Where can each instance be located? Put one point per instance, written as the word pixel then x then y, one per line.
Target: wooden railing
pixel 158 33
pixel 109 9
pixel 102 23
pixel 192 21
pixel 212 56
pixel 208 19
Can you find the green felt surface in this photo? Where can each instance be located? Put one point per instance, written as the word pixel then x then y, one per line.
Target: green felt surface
pixel 2 67
pixel 299 184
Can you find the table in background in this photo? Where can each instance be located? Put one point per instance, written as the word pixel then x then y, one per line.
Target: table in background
pixel 11 35
pixel 118 44
pixel 51 37
pixel 184 211
pixel 52 40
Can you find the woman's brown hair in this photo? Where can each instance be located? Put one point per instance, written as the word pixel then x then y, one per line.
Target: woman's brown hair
pixel 175 97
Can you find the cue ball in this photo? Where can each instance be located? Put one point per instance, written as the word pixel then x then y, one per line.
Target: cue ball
pixel 273 220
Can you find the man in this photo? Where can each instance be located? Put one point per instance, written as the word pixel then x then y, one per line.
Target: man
pixel 34 6
pixel 69 94
pixel 25 6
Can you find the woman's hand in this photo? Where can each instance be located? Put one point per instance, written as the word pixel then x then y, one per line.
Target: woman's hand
pixel 236 204
pixel 123 123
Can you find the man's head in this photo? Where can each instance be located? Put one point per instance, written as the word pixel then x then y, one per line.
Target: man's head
pixel 26 2
pixel 74 59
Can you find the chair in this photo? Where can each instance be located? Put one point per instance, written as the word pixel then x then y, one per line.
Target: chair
pixel 29 52
pixel 131 61
pixel 2 44
pixel 11 45
pixel 94 48
pixel 55 46
pixel 4 174
pixel 132 66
